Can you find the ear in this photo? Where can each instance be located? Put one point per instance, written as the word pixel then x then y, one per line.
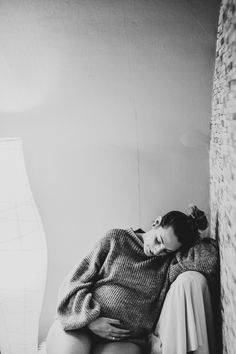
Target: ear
pixel 157 221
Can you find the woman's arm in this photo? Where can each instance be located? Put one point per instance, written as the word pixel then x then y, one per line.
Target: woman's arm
pixel 202 257
pixel 75 304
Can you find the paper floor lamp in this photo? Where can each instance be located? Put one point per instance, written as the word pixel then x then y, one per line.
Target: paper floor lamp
pixel 23 255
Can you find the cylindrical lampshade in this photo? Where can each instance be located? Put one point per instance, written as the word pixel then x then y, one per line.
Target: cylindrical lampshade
pixel 23 255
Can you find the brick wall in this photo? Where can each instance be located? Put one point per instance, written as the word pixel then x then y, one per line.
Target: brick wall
pixel 223 167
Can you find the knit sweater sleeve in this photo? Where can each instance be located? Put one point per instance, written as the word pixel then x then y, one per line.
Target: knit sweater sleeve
pixel 75 304
pixel 202 257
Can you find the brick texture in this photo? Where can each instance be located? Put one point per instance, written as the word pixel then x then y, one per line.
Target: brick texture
pixel 223 167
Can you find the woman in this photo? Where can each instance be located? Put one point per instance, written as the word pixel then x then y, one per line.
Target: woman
pixel 111 301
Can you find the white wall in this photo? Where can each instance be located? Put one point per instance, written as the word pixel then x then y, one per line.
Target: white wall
pixel 101 93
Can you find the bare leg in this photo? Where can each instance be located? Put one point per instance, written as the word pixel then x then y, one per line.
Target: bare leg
pixel 67 342
pixel 118 348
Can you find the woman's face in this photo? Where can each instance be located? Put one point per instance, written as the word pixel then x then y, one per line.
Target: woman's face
pixel 160 241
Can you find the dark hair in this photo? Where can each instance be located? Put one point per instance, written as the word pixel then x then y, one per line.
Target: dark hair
pixel 186 227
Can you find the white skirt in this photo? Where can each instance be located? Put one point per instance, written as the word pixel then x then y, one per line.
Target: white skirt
pixel 186 320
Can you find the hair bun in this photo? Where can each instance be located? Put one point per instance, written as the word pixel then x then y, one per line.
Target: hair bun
pixel 198 217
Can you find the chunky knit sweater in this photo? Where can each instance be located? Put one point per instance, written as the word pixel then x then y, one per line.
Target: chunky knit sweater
pixel 117 280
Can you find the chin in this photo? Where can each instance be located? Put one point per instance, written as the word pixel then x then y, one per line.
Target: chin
pixel 147 254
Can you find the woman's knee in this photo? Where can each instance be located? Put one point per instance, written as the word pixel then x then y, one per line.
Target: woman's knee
pixel 60 341
pixel 192 277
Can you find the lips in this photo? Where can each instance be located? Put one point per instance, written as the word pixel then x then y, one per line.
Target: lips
pixel 148 252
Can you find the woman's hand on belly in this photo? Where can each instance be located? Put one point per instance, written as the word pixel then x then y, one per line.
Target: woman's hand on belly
pixel 106 328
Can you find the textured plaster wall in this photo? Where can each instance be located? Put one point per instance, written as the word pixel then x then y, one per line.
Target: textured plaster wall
pixel 223 167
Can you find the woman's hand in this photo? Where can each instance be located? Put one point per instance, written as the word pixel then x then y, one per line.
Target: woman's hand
pixel 106 328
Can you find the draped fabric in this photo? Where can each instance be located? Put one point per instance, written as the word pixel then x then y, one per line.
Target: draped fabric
pixel 186 321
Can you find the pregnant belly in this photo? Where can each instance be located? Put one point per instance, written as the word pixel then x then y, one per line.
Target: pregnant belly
pixel 133 310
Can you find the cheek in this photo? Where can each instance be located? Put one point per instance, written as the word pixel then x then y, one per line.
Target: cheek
pixel 151 240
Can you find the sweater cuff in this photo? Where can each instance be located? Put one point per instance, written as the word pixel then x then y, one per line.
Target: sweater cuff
pixel 77 321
